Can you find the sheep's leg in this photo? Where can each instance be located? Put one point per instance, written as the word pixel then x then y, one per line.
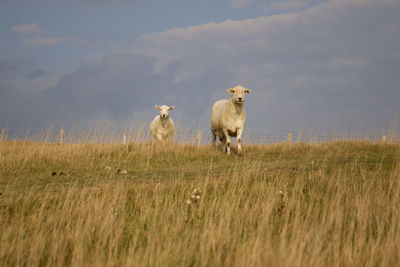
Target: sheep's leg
pixel 224 145
pixel 228 142
pixel 223 141
pixel 239 140
pixel 214 140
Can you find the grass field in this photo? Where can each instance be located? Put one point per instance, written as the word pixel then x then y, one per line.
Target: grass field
pixel 61 204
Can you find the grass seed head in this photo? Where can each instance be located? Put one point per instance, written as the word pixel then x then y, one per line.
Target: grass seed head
pixel 280 206
pixel 195 196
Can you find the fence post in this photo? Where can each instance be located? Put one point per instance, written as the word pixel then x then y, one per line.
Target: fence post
pixel 198 138
pixel 61 136
pixel 124 137
pixel 289 138
pixel 383 138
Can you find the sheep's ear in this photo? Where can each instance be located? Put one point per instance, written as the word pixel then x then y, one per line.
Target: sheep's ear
pixel 171 108
pixel 158 107
pixel 230 90
pixel 247 91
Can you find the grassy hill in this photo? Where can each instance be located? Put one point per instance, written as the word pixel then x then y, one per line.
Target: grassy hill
pixel 73 204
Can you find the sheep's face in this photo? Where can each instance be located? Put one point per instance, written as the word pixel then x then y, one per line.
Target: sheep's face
pixel 164 110
pixel 238 94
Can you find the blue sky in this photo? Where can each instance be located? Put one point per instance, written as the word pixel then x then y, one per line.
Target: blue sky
pixel 321 65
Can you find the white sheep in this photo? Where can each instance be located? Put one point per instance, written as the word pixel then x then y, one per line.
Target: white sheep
pixel 162 126
pixel 228 118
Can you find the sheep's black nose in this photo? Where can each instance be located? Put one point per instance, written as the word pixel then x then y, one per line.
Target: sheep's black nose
pixel 240 99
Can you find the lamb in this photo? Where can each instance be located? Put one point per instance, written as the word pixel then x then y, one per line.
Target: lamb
pixel 228 118
pixel 162 127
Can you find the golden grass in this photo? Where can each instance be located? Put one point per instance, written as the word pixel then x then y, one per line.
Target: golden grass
pixel 340 205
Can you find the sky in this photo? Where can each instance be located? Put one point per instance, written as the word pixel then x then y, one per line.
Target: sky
pixel 320 65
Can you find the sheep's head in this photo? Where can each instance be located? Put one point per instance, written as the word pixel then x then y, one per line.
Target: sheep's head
pixel 164 110
pixel 238 94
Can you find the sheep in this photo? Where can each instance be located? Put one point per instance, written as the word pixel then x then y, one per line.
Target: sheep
pixel 162 127
pixel 228 118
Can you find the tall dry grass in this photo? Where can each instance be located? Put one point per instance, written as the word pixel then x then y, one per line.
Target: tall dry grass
pixel 60 205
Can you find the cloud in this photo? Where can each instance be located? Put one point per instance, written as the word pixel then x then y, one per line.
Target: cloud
pixel 348 63
pixel 22 76
pixel 332 65
pixel 51 41
pixel 119 85
pixel 95 57
pixel 115 88
pixel 305 66
pixel 27 29
pixel 33 28
pixel 240 3
pixel 291 4
pixel 44 41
